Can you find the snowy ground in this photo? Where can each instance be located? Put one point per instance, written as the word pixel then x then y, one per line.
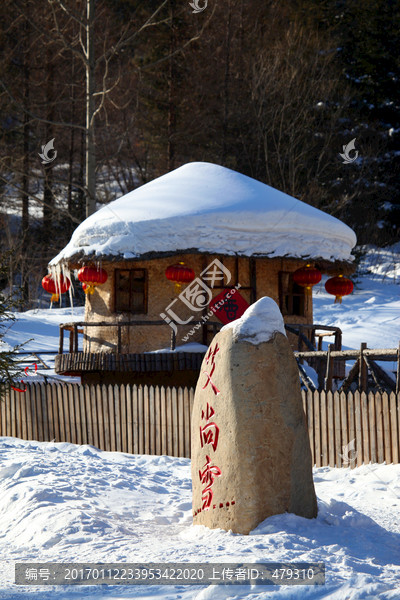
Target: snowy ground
pixel 372 312
pixel 66 503
pixel 60 502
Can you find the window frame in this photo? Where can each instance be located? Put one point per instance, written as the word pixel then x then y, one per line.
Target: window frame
pixel 144 308
pixel 291 291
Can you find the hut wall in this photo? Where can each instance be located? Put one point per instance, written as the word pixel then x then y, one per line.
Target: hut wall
pixel 100 306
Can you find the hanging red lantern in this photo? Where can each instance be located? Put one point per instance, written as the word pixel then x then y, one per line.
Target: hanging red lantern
pixel 339 286
pixel 179 274
pixel 91 277
pixel 55 287
pixel 307 277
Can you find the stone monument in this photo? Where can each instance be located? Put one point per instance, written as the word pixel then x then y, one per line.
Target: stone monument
pixel 251 454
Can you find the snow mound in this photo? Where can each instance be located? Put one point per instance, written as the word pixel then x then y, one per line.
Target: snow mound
pixel 259 323
pixel 209 208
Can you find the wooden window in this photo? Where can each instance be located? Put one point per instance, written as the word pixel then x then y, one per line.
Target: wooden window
pixel 291 296
pixel 131 290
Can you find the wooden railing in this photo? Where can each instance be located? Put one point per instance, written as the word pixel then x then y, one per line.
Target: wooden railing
pixel 345 430
pixel 365 365
pixel 77 328
pixel 309 335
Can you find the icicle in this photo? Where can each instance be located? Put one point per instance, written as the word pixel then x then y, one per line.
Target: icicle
pixel 58 270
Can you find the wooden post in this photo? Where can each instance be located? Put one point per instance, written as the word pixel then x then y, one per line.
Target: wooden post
pixel 61 346
pixel 75 337
pixel 338 340
pixel 312 337
pixel 329 369
pixel 363 373
pixel 119 339
pixel 204 332
pixel 173 339
pixel 398 371
pixel 319 348
pixel 71 340
pixel 253 280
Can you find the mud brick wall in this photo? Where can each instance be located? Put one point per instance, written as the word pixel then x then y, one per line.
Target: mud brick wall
pixel 100 306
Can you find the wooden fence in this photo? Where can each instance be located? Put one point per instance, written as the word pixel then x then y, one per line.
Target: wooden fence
pixel 346 430
pixel 125 418
pixel 349 429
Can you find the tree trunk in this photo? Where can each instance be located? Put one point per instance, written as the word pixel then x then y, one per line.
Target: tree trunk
pixel 90 177
pixel 48 197
pixel 26 131
pixel 71 208
pixel 171 93
pixel 227 75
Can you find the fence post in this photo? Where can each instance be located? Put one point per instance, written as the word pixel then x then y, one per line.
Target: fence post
pixel 363 374
pixel 398 371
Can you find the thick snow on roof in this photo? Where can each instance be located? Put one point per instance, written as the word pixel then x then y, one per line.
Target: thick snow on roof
pixel 213 209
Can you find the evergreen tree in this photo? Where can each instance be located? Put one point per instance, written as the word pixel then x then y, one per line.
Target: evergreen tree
pixel 9 367
pixel 365 194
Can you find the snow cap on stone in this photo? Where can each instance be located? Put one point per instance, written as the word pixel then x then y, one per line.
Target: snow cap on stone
pixel 259 323
pixel 208 208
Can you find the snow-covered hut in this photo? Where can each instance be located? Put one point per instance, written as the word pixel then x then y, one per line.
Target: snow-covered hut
pixel 228 229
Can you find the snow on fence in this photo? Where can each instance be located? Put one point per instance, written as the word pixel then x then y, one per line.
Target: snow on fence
pixel 346 429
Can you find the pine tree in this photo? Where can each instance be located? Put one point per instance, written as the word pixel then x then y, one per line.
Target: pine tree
pixel 9 367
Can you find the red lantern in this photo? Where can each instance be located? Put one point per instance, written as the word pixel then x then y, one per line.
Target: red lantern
pixel 179 274
pixel 92 276
pixel 55 287
pixel 339 286
pixel 307 277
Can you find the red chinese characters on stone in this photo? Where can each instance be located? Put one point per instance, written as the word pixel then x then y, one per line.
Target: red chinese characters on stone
pixel 207 477
pixel 211 358
pixel 209 432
